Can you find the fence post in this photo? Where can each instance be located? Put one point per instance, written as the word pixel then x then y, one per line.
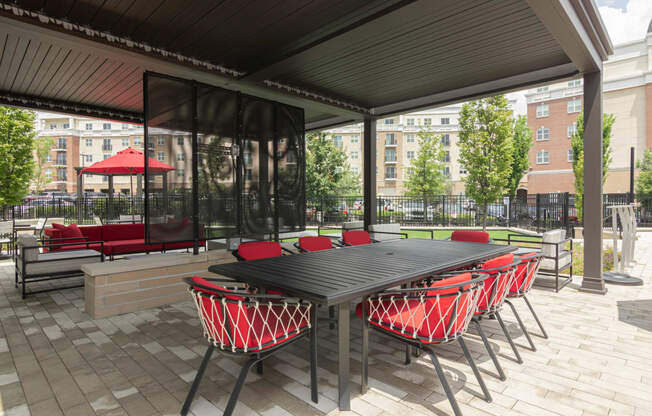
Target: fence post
pixel 566 207
pixel 538 219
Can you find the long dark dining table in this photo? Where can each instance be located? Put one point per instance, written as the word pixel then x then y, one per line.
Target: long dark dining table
pixel 338 276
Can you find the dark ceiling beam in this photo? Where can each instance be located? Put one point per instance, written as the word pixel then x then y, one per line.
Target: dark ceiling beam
pixel 67 107
pixel 324 34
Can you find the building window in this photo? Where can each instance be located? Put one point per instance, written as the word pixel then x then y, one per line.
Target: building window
pixel 89 158
pixel 446 171
pixel 89 126
pixel 106 126
pixel 389 121
pixel 355 139
pixel 463 171
pixel 354 155
pixel 427 121
pixel 53 126
pixel 410 154
pixel 125 142
pixel 89 142
pixel 570 155
pixel 61 143
pixel 574 105
pixel 337 141
pixel 66 125
pixel 61 159
pixel 410 122
pixel 543 133
pixel 542 89
pixel 410 171
pixel 445 121
pixel 106 145
pixel 390 155
pixel 246 158
pixel 48 158
pixel 181 173
pixel 61 174
pixel 543 110
pixel 180 140
pixel 181 156
pixel 445 139
pixel 160 156
pixel 572 130
pixel 249 174
pixel 355 170
pixel 160 140
pixel 446 157
pixel 389 139
pixel 106 156
pixel 575 83
pixel 138 141
pixel 390 172
pixel 543 157
pixel 125 126
pixel 410 138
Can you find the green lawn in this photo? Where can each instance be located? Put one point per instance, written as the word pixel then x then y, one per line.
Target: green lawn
pixel 442 234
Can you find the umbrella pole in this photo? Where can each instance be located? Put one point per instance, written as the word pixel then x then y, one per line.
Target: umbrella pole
pixel 131 194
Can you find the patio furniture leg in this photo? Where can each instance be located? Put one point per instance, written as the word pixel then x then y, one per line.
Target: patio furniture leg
pixel 195 383
pixel 314 392
pixel 259 367
pixel 343 349
pixel 407 354
pixel 233 400
pixel 492 354
pixel 536 318
pixel 478 376
pixel 509 338
pixel 444 382
pixel 364 374
pixel 520 323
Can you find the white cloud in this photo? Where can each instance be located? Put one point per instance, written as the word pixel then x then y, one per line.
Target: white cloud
pixel 630 24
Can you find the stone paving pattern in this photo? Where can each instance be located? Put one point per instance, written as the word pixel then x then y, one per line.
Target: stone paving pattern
pixel 56 360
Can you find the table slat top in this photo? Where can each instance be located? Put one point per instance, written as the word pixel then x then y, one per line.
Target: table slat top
pixel 334 276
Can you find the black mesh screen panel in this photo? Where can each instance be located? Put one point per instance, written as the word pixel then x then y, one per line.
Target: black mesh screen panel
pixel 290 159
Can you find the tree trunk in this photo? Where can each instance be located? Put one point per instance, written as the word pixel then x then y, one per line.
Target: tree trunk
pixel 484 217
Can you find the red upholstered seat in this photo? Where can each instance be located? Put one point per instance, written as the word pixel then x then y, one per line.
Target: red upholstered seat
pixel 70 232
pixel 252 326
pixel 440 315
pixel 524 274
pixel 470 236
pixel 492 295
pixel 356 238
pixel 256 250
pixel 315 243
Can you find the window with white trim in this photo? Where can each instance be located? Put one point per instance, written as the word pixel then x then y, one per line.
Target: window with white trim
pixel 181 156
pixel 570 155
pixel 337 141
pixel 543 110
pixel 160 156
pixel 89 142
pixel 575 83
pixel 411 138
pixel 574 105
pixel 354 155
pixel 106 126
pixel 355 139
pixel 160 140
pixel 572 129
pixel 410 154
pixel 89 126
pixel 543 133
pixel 445 121
pixel 410 122
pixel 543 157
pixel 427 121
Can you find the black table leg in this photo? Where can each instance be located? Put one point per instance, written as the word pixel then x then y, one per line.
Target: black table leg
pixel 365 349
pixel 343 348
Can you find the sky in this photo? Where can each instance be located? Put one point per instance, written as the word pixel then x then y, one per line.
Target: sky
pixel 626 21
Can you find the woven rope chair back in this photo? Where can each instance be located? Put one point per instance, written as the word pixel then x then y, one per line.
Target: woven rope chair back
pixel 500 271
pixel 524 275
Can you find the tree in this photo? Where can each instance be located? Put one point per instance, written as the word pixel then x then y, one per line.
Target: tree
pixel 577 145
pixel 486 136
pixel 520 149
pixel 327 169
pixel 425 176
pixel 41 177
pixel 16 147
pixel 644 181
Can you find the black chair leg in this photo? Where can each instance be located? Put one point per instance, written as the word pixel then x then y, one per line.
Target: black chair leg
pixel 259 368
pixel 314 392
pixel 444 382
pixel 536 318
pixel 509 338
pixel 407 354
pixel 490 351
pixel 467 354
pixel 195 383
pixel 233 400
pixel 520 323
pixel 364 370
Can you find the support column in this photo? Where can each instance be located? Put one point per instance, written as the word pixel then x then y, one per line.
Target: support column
pixel 369 167
pixel 80 195
pixel 592 214
pixel 164 182
pixel 139 184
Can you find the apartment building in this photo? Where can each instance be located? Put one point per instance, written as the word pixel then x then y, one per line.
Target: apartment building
pixel 552 113
pixel 397 143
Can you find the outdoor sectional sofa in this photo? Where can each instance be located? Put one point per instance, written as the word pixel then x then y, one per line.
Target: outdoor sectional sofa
pixel 120 238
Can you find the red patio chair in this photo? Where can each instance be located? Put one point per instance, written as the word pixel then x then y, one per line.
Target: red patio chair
pixel 236 321
pixel 470 236
pixel 256 250
pixel 356 238
pixel 500 277
pixel 314 243
pixel 524 277
pixel 425 316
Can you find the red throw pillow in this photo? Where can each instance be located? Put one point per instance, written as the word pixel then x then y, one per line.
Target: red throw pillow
pixel 58 226
pixel 73 233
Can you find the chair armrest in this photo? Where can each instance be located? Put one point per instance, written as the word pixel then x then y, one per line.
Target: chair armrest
pixel 87 243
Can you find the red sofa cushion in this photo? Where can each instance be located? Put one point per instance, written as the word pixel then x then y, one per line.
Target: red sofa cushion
pixel 130 246
pixel 470 236
pixel 71 232
pixel 113 232
pixel 356 238
pixel 93 232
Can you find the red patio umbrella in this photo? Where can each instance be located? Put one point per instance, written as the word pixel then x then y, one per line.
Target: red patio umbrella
pixel 127 162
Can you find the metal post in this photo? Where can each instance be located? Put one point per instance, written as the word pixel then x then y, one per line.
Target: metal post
pixel 109 207
pixel 370 202
pixel 566 207
pixel 538 208
pixel 195 174
pixel 632 163
pixel 592 214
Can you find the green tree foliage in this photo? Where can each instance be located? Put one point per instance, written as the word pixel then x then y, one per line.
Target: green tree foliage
pixel 644 181
pixel 577 145
pixel 327 169
pixel 41 177
pixel 16 147
pixel 520 149
pixel 425 176
pixel 486 136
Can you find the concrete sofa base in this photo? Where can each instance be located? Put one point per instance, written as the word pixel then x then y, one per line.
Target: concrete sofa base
pixel 130 285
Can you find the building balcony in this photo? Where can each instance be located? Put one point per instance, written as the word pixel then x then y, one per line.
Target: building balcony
pixel 391 161
pixel 393 143
pixel 390 178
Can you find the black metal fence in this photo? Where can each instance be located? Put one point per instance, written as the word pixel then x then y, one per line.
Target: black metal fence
pixel 539 212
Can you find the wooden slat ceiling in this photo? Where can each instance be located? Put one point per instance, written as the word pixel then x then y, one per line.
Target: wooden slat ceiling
pixel 366 53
